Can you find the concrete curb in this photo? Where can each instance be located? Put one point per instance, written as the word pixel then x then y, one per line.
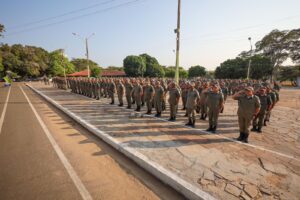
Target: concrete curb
pixel 169 178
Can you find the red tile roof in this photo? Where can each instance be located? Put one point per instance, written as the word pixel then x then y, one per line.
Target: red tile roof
pixel 112 73
pixel 106 73
pixel 79 74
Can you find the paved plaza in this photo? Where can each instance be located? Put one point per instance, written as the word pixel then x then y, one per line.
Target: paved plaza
pixel 200 164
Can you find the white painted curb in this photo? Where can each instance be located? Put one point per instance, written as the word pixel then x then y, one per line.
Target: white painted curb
pixel 169 178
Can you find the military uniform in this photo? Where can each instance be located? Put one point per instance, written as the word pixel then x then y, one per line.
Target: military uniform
pixel 275 98
pixel 215 103
pixel 137 93
pixel 246 111
pixel 158 99
pixel 184 97
pixel 128 90
pixel 148 97
pixel 192 99
pixel 111 91
pixel 174 96
pixel 120 92
pixel 203 104
pixel 265 103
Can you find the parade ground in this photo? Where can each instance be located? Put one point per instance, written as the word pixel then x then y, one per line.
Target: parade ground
pixel 168 155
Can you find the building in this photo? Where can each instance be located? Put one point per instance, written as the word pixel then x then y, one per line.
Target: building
pixel 104 73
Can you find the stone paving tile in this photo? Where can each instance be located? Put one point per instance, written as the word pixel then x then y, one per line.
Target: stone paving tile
pixel 214 163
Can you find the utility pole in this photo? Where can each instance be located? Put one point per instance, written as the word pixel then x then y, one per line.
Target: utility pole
pixel 87 56
pixel 249 65
pixel 87 50
pixel 62 62
pixel 177 31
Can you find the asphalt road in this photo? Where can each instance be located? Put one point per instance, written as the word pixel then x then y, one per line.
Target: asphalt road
pixel 46 155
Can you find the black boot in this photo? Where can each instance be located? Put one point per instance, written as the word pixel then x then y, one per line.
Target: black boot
pixel 201 117
pixel 214 128
pixel 158 114
pixel 259 130
pixel 183 108
pixel 112 103
pixel 170 119
pixel 138 109
pixel 193 123
pixel 245 139
pixel 128 107
pixel 189 123
pixel 254 128
pixel 209 129
pixel 265 122
pixel 121 104
pixel 241 137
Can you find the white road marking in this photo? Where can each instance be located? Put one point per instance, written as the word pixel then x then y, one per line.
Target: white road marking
pixel 4 109
pixel 76 180
pixel 182 186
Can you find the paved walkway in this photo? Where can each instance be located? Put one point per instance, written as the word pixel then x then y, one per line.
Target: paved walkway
pixel 208 165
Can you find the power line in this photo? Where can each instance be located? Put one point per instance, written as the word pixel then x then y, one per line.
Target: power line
pixel 61 15
pixel 74 18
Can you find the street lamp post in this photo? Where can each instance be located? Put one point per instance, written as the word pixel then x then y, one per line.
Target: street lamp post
pixel 249 64
pixel 86 49
pixel 177 31
pixel 62 62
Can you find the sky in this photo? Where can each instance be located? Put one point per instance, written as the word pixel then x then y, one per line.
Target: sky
pixel 212 31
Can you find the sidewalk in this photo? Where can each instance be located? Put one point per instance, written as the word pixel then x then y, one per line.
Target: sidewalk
pixel 197 164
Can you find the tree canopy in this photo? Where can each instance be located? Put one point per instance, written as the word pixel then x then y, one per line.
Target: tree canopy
pixel 31 61
pixel 24 60
pixel 1 29
pixel 96 71
pixel 57 64
pixel 261 68
pixel 278 46
pixel 170 72
pixel 197 71
pixel 289 73
pixel 80 64
pixel 134 66
pixel 153 68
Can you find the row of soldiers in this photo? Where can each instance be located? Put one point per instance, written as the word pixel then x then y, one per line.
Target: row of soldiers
pixel 256 99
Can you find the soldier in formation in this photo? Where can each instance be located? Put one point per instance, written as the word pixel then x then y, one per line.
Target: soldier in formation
pixel 256 99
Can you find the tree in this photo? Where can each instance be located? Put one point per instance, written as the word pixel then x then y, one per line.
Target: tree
pixel 170 72
pixel 24 60
pixel 58 62
pixel 278 46
pixel 196 71
pixel 115 68
pixel 232 69
pixel 134 66
pixel 289 73
pixel 80 64
pixel 2 29
pixel 153 68
pixel 1 66
pixel 95 72
pixel 261 68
